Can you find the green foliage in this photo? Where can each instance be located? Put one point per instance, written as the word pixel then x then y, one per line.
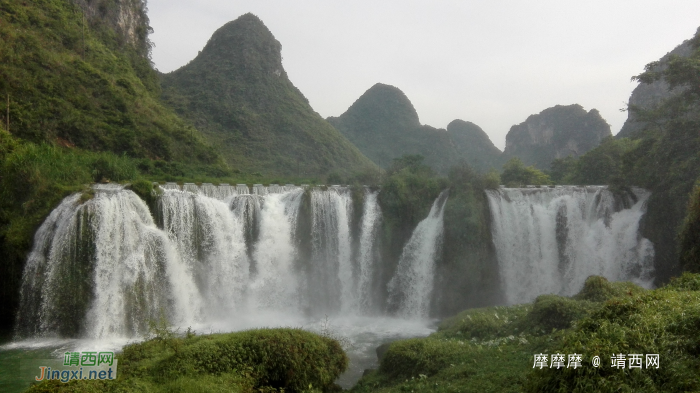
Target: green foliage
pixel 516 174
pixel 492 179
pixel 552 312
pixel 263 360
pixel 603 165
pixel 561 169
pixel 599 289
pixel 486 323
pixel 409 190
pixel 491 349
pixel 87 92
pixel 686 282
pixel 653 322
pixel 145 190
pixel 411 358
pixel 690 235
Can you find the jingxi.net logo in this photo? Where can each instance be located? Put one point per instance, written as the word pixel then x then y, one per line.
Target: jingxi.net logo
pixel 74 366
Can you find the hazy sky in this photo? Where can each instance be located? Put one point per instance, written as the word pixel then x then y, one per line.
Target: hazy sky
pixel 493 63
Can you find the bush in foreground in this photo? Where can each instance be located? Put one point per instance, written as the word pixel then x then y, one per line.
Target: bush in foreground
pixel 261 360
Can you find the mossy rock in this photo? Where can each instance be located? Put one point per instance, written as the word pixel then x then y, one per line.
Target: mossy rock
pixel 551 312
pixel 599 289
pixel 411 358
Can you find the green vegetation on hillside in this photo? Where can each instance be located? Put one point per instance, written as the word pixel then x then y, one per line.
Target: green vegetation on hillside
pixel 492 349
pixel 263 360
pixel 70 82
pixel 516 174
pixel 238 94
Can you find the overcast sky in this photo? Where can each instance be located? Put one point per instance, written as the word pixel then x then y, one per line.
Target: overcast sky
pixel 493 63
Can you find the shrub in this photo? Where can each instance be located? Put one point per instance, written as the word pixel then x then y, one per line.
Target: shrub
pixel 291 359
pixel 599 289
pixel 263 360
pixel 686 282
pixel 486 323
pixel 557 312
pixel 410 358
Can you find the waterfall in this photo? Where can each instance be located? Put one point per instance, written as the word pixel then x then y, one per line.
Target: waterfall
pixel 371 218
pixel 102 268
pixel 209 238
pixel 412 285
pixel 104 265
pixel 331 280
pixel 549 240
pixel 275 286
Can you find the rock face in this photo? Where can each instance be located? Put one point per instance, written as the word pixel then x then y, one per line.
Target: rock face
pixel 647 96
pixel 127 18
pixel 555 132
pixel 238 94
pixel 384 125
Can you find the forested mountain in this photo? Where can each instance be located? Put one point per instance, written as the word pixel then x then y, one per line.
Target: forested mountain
pixel 384 125
pixel 238 94
pixel 557 132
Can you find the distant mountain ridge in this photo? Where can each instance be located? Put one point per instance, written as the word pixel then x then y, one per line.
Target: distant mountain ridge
pixel 556 132
pixel 384 125
pixel 238 94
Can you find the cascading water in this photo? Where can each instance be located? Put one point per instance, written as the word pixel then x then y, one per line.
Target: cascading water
pixel 331 284
pixel 275 285
pixel 102 268
pixel 412 285
pixel 371 218
pixel 209 238
pixel 549 240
